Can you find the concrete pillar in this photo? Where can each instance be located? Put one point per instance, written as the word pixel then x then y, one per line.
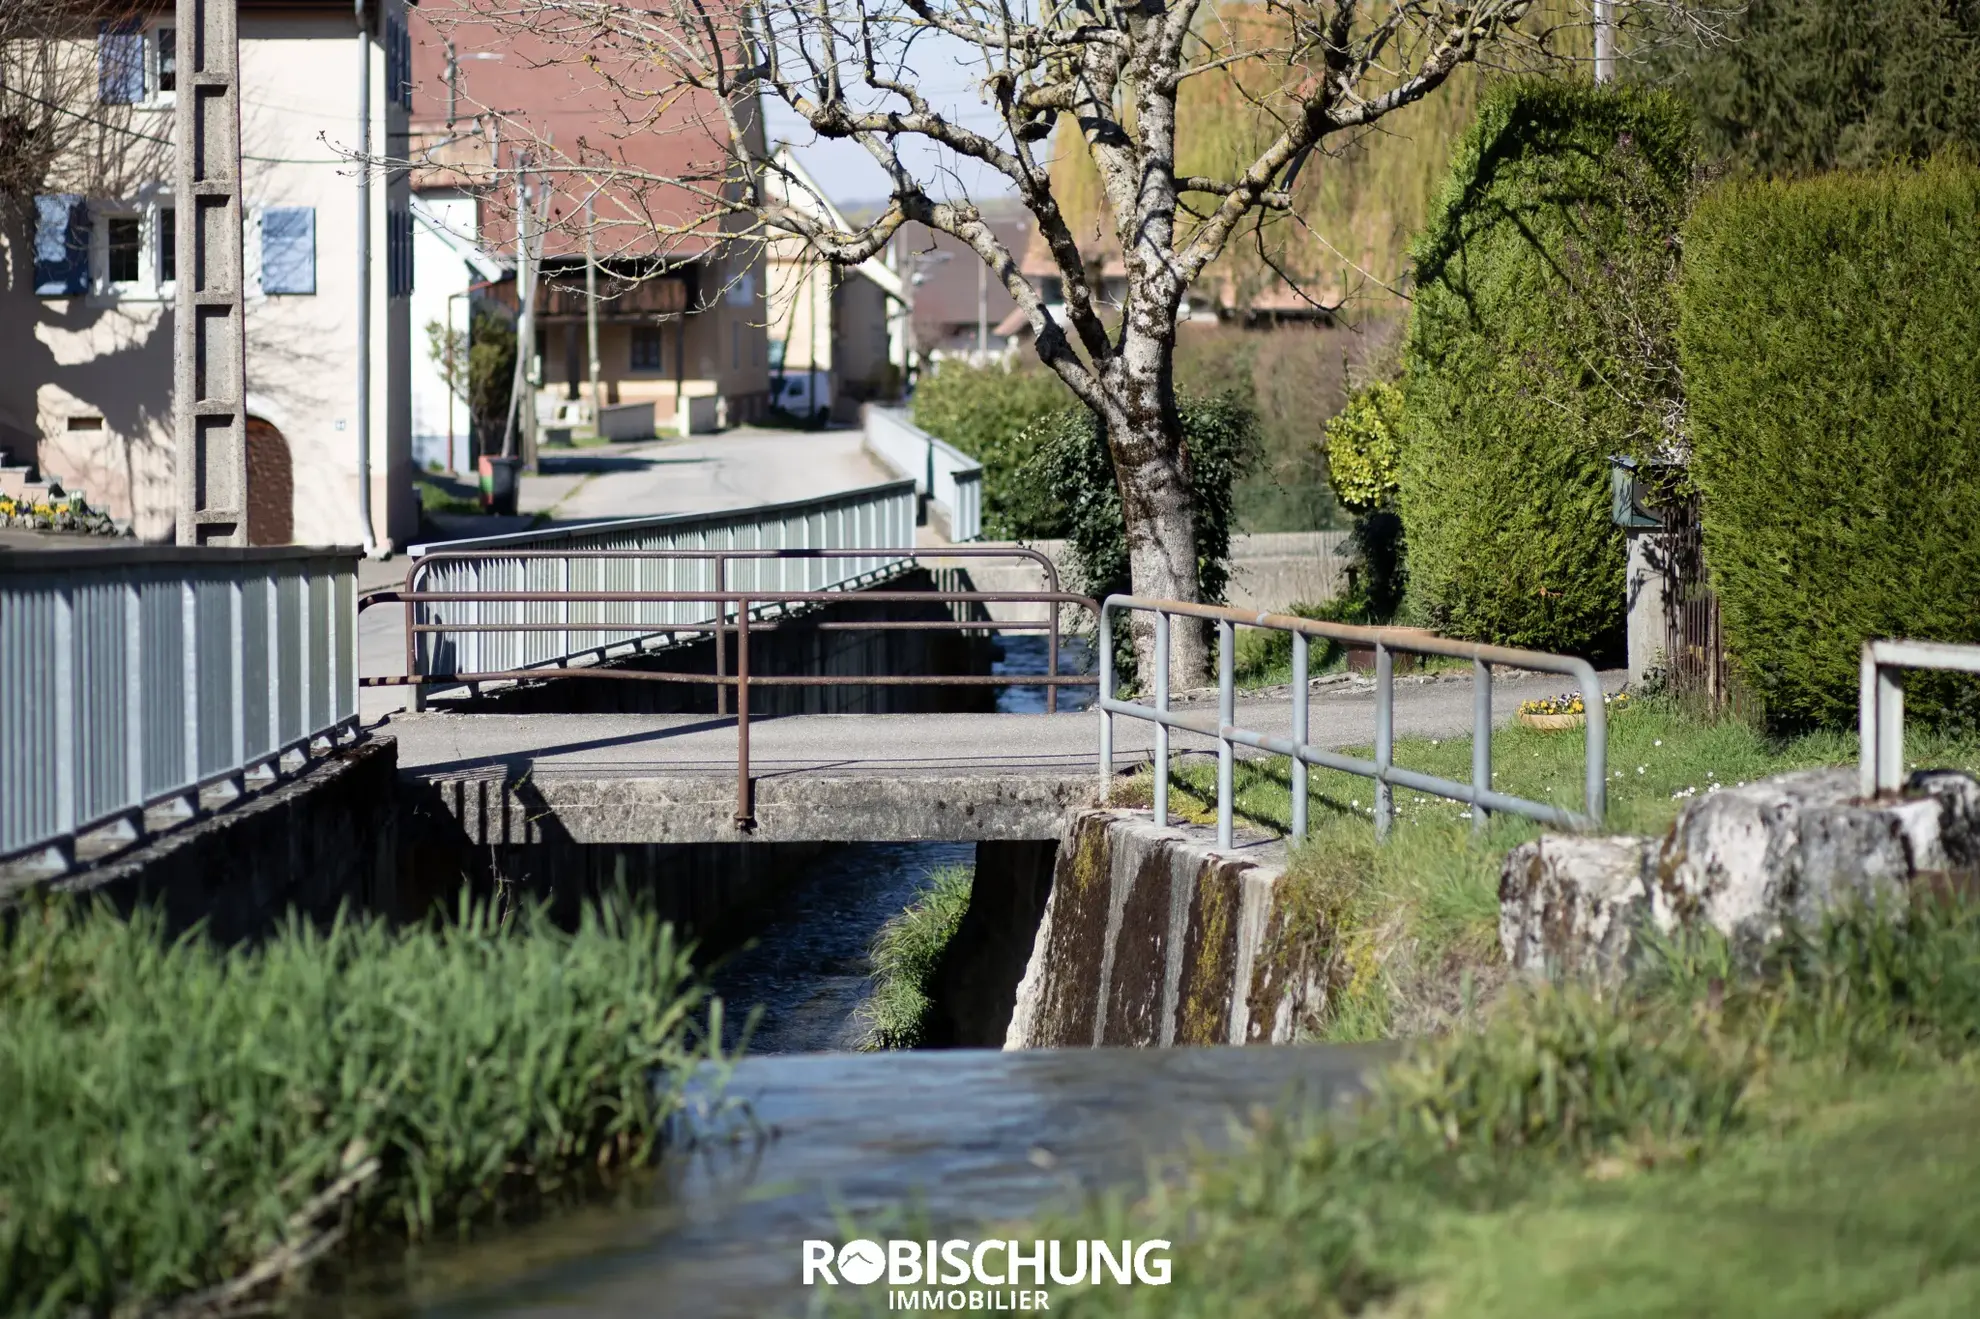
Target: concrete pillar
pixel 209 380
pixel 1649 629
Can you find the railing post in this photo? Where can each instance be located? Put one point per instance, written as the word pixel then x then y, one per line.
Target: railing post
pixel 1385 737
pixel 1299 722
pixel 745 793
pixel 1106 695
pixel 1481 741
pixel 1226 715
pixel 1161 729
pixel 1595 754
pixel 1890 728
pixel 1866 722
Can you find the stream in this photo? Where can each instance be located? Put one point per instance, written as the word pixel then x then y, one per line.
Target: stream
pixel 809 1136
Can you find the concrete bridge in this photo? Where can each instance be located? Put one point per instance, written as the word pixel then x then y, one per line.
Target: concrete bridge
pixel 158 698
pixel 618 779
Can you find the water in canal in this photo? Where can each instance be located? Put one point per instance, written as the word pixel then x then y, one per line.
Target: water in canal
pixel 822 1135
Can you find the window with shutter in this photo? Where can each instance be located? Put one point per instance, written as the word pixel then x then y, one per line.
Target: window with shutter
pixel 61 245
pixel 120 62
pixel 288 249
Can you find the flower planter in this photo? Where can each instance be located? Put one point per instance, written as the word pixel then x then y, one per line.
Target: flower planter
pixel 1552 723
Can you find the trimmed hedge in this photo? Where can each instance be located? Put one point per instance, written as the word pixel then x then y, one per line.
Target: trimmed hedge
pixel 1831 348
pixel 1540 343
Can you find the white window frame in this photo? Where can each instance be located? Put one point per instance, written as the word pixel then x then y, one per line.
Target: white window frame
pixel 154 73
pixel 147 287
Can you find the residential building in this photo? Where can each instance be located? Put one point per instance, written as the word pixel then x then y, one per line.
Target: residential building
pixel 680 313
pixel 835 334
pixel 955 295
pixel 86 314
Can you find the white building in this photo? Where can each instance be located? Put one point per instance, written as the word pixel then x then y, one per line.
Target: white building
pixel 448 267
pixel 86 311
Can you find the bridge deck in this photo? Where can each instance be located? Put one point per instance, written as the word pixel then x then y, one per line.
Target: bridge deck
pixel 848 777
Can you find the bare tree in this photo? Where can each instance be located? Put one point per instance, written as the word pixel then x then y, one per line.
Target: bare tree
pixel 1316 73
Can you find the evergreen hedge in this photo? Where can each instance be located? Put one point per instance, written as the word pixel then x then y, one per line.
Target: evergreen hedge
pixel 1831 347
pixel 1540 343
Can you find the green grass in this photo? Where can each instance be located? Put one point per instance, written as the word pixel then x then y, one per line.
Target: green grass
pixel 1416 919
pixel 178 1115
pixel 905 954
pixel 1799 1143
pixel 439 493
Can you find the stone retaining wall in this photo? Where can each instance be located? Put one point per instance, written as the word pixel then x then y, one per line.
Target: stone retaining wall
pixel 1151 937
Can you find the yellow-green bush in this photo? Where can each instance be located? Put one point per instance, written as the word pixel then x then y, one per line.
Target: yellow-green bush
pixel 1364 448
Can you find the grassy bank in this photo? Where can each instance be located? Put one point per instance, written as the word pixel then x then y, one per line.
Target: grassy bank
pixel 905 953
pixel 185 1119
pixel 1416 920
pixel 1801 1143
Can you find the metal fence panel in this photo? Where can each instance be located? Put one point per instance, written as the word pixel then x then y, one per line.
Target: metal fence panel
pixel 880 518
pixel 132 677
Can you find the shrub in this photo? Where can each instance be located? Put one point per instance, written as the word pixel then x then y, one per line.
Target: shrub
pixel 1830 329
pixel 989 413
pixel 1364 448
pixel 1541 342
pixel 1069 459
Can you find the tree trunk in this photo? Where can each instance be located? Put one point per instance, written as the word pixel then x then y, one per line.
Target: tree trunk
pixel 1161 542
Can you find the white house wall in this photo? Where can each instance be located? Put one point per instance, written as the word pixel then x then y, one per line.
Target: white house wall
pixel 71 360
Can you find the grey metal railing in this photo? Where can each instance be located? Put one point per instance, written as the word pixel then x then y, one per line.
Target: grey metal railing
pixel 1880 703
pixel 1478 793
pixel 686 555
pixel 950 478
pixel 135 680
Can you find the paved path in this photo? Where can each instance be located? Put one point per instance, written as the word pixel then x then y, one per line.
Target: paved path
pixel 849 777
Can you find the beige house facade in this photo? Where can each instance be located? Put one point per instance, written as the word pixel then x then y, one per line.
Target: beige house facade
pixel 87 309
pixel 835 336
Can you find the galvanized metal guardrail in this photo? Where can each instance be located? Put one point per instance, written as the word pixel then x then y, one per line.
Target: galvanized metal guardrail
pixel 1880 703
pixel 1478 794
pixel 142 680
pixel 673 554
pixel 949 477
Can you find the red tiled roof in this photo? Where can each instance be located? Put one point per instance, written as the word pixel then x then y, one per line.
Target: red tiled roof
pixel 646 169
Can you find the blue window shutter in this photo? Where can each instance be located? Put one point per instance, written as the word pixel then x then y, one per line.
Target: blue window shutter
pixel 288 249
pixel 120 62
pixel 61 246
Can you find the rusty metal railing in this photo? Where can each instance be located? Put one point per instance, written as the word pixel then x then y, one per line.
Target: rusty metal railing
pixel 740 612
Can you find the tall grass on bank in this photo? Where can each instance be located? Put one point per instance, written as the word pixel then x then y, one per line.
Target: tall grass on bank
pixel 905 954
pixel 1795 1143
pixel 181 1118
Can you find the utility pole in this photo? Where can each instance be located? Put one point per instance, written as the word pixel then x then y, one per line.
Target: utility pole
pixel 982 313
pixel 591 307
pixel 209 348
pixel 519 384
pixel 1605 40
pixel 453 86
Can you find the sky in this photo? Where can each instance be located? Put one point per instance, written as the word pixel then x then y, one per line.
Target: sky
pixel 948 72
